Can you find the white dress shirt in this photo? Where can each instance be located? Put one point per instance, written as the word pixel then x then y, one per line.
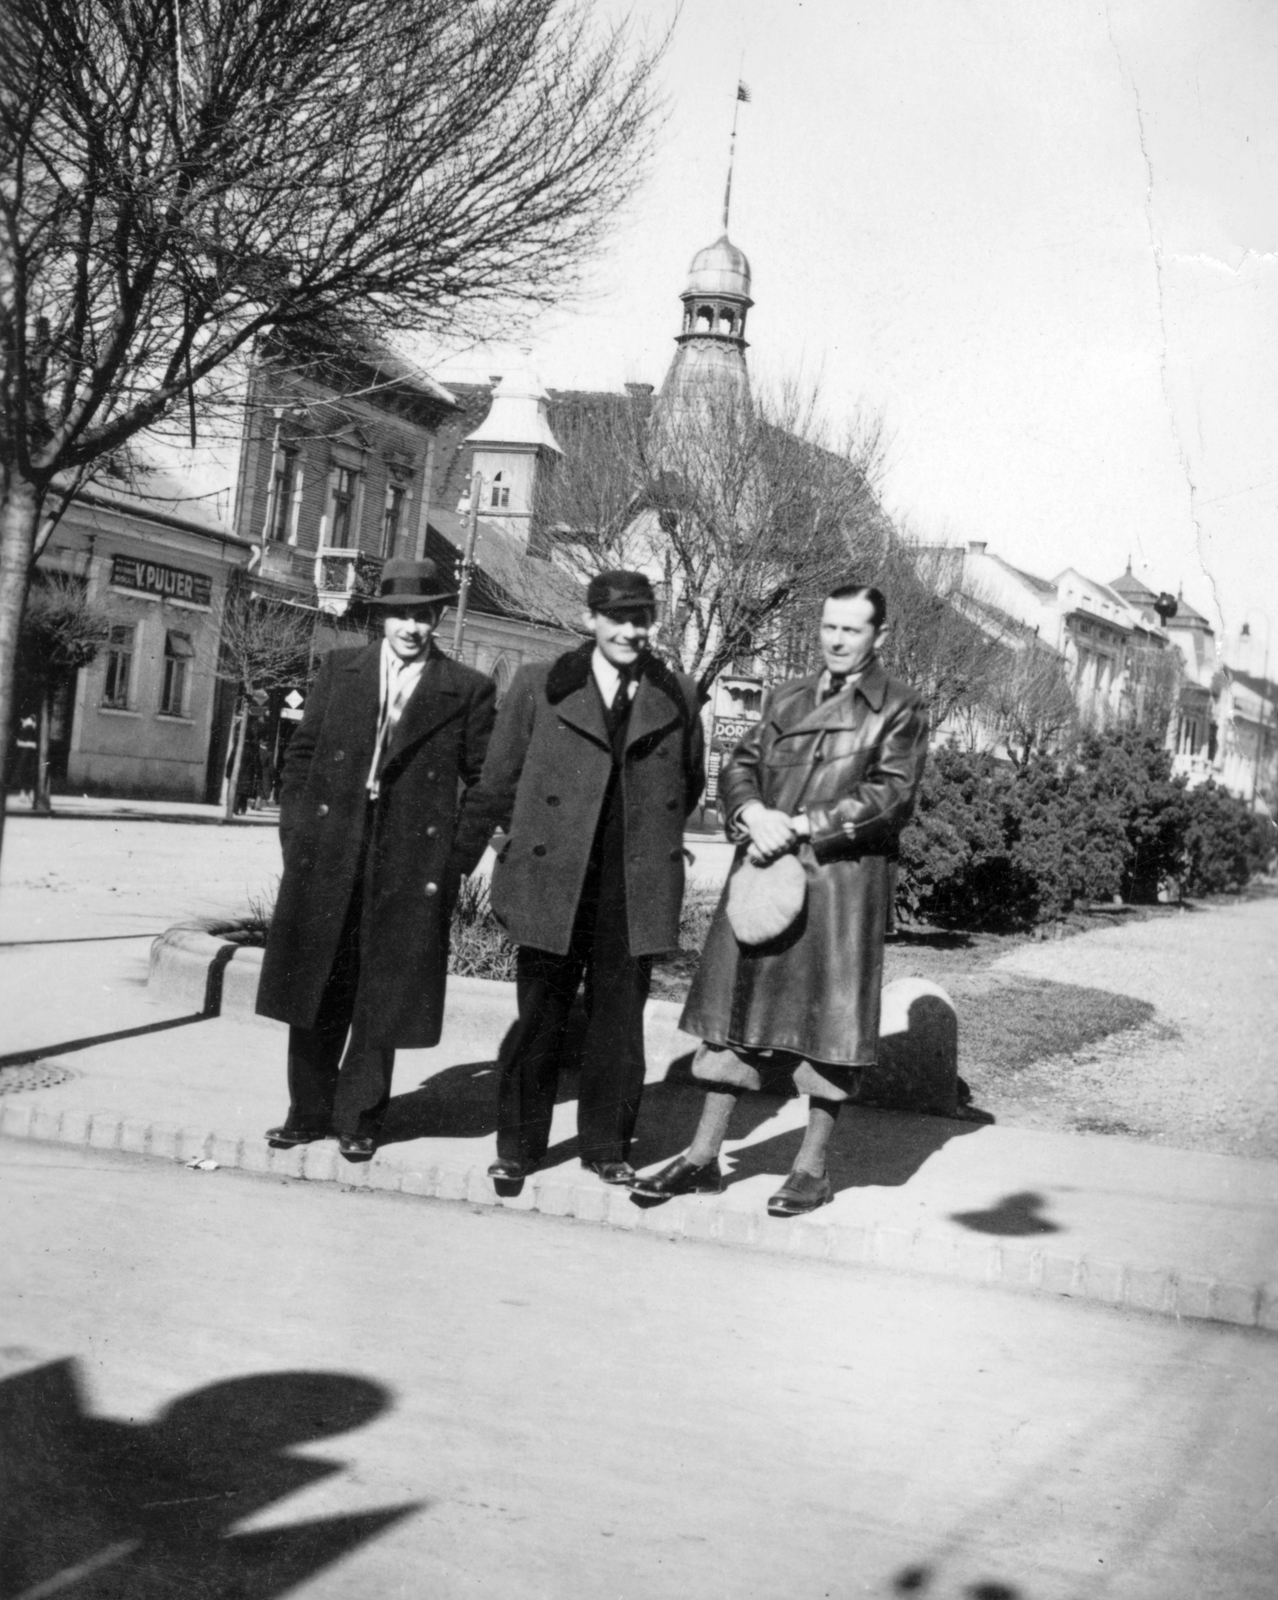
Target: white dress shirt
pixel 398 680
pixel 607 677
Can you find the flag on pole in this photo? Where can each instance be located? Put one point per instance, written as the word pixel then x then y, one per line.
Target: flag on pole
pixel 742 92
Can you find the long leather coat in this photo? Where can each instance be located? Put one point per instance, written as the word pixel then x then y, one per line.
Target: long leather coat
pixel 412 868
pixel 545 779
pixel 853 765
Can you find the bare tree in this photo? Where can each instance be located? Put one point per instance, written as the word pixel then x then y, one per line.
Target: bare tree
pixel 1032 705
pixel 744 509
pixel 179 177
pixel 1151 690
pixel 265 645
pixel 63 629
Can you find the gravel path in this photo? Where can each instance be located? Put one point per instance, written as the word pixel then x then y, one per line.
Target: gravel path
pixel 1202 1074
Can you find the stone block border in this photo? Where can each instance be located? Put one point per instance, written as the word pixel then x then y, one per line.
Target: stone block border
pixel 568 1192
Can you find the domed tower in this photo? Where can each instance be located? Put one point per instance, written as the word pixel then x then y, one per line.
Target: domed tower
pixel 712 343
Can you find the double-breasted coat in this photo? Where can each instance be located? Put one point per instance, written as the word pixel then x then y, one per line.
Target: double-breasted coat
pixel 546 777
pixel 852 765
pixel 412 865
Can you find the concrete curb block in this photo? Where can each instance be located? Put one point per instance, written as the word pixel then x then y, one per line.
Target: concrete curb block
pixel 559 1193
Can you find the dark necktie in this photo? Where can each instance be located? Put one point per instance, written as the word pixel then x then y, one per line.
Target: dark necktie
pixel 619 711
pixel 837 681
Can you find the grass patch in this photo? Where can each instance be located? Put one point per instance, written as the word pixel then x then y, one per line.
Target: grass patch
pixel 1008 1023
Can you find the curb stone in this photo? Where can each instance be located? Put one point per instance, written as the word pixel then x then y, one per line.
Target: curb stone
pixel 560 1193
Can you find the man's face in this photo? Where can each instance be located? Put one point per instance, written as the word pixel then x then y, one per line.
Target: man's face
pixel 622 636
pixel 407 629
pixel 848 636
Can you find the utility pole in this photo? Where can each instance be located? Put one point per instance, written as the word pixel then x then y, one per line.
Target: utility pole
pixel 467 563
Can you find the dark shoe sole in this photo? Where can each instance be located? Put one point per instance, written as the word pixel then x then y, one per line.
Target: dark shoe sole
pixel 349 1152
pixel 289 1141
pixel 784 1205
pixel 707 1183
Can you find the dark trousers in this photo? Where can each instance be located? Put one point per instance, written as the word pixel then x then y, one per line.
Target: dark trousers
pixel 612 1068
pixel 336 1079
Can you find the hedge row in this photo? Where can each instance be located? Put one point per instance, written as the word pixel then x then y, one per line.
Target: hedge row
pixel 998 847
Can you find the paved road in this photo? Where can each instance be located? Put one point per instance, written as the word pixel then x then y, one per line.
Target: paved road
pixel 216 1386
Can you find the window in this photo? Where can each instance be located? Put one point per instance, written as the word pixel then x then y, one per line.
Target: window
pixel 283 484
pixel 177 655
pixel 119 669
pixel 392 517
pixel 342 523
pixel 501 492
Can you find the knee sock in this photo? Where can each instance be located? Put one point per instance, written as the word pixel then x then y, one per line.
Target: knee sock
pixel 712 1130
pixel 822 1115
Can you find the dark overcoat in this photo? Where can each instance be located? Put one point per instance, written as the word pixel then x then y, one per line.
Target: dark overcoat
pixel 413 866
pixel 852 765
pixel 548 771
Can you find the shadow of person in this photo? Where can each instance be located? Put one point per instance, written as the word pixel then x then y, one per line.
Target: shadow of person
pixel 1013 1216
pixel 113 1509
pixel 671 1109
pixel 869 1148
pixel 461 1102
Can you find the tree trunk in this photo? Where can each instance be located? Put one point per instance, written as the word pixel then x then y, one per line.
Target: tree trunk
pixel 233 782
pixel 41 800
pixel 19 519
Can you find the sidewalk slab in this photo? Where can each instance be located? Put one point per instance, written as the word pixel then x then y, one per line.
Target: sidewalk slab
pixel 1141 1226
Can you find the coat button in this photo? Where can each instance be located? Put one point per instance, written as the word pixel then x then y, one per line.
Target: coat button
pixel 339 755
pixel 672 805
pixel 676 855
pixel 431 831
pixel 432 888
pixel 322 811
pixel 539 850
pixel 431 773
pixel 552 799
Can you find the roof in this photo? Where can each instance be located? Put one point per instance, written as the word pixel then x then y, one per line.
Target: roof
pixel 721 268
pixel 508 581
pixel 162 495
pixel 1041 585
pixel 517 415
pixel 1132 589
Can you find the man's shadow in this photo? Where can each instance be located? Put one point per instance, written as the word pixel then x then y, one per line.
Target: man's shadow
pixel 871 1147
pixel 121 1509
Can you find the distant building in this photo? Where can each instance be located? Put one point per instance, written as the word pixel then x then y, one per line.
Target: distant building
pixel 139 719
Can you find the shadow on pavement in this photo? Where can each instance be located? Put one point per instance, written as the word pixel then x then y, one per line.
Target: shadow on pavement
pixel 116 1509
pixel 918 1580
pixel 1015 1215
pixel 22 1058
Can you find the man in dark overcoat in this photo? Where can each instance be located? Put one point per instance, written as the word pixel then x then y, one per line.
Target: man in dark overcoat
pixel 830 772
pixel 357 952
pixel 595 763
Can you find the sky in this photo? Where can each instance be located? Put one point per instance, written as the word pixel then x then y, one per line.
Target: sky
pixel 1041 241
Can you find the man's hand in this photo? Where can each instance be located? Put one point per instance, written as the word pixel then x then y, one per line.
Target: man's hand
pixel 771 832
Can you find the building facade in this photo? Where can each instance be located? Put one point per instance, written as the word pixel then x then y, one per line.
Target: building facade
pixel 139 720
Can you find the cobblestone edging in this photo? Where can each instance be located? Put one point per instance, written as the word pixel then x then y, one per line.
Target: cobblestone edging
pixel 1004 1263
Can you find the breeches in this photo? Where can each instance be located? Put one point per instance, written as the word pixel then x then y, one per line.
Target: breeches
pixel 743 1068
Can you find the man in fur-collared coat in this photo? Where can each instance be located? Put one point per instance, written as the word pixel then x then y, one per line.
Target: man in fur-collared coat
pixel 829 772
pixel 594 765
pixel 357 954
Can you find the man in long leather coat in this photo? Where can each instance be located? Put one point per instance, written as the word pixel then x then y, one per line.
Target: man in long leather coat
pixel 829 772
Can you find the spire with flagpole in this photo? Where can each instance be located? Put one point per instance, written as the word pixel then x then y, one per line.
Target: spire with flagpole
pixel 743 95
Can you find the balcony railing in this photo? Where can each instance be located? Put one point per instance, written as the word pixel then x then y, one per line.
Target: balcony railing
pixel 343 575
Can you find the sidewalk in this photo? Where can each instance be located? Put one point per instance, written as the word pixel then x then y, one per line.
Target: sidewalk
pixel 1108 1219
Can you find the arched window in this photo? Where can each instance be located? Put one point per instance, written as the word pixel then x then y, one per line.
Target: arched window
pixel 727 322
pixel 500 498
pixel 705 319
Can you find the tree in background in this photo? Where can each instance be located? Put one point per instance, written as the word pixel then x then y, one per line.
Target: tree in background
pixel 744 508
pixel 177 180
pixel 63 629
pixel 1031 706
pixel 266 645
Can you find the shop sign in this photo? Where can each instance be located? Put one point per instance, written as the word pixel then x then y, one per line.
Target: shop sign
pixel 731 730
pixel 170 583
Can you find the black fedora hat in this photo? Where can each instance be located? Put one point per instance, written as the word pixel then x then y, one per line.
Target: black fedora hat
pixel 619 590
pixel 410 583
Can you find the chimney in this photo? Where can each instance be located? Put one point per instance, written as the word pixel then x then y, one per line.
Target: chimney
pixel 638 391
pixel 976 547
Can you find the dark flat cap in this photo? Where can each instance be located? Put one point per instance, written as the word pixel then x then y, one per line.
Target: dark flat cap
pixel 620 591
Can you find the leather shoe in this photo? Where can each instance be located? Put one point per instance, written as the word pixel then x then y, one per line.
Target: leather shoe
pixel 284 1137
pixel 357 1146
pixel 617 1172
pixel 508 1176
pixel 681 1177
pixel 799 1193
